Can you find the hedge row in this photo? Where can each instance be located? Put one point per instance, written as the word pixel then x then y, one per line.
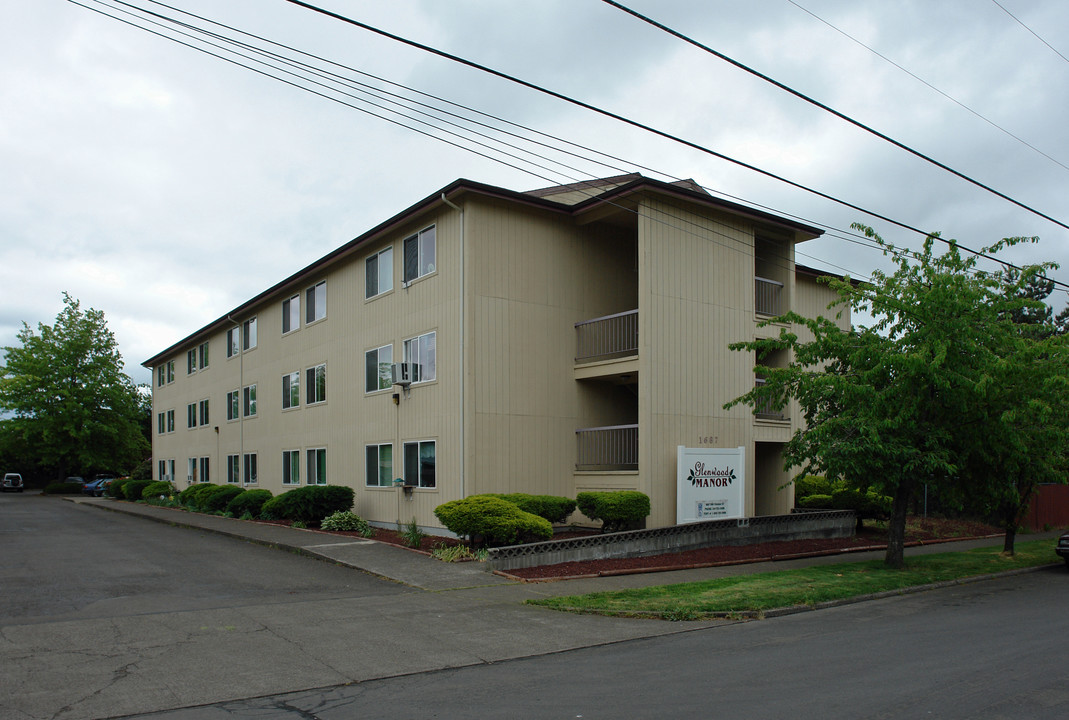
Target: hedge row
pixel 617 510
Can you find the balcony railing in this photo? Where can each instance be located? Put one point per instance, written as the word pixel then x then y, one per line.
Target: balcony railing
pixel 766 410
pixel 607 337
pixel 614 447
pixel 768 296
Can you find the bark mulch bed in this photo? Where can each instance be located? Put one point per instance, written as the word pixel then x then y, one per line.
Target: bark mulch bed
pixel 918 531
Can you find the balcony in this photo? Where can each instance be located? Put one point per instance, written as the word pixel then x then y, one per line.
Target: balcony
pixel 613 447
pixel 606 338
pixel 766 410
pixel 768 296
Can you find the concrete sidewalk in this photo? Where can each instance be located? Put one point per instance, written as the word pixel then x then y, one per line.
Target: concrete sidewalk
pixel 420 571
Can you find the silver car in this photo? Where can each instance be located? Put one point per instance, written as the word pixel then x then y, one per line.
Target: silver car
pixel 12 482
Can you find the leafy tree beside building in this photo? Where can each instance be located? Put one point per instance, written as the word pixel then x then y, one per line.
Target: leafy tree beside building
pixel 68 405
pixel 942 389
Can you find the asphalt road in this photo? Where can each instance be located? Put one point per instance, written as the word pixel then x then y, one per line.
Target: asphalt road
pixel 104 615
pixel 986 650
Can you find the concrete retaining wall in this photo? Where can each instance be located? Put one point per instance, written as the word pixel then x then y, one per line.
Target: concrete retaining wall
pixel 677 538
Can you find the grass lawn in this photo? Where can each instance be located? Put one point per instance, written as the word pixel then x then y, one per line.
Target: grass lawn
pixel 805 586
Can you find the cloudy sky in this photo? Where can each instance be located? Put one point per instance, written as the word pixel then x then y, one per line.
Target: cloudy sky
pixel 164 186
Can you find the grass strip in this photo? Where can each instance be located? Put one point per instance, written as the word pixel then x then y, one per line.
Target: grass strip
pixel 802 586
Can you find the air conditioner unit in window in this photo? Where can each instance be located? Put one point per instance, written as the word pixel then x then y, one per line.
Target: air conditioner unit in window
pixel 405 373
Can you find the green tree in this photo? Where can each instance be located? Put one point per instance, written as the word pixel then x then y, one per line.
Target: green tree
pixel 910 399
pixel 71 406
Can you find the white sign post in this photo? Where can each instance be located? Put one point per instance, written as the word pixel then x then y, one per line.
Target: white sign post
pixel 710 484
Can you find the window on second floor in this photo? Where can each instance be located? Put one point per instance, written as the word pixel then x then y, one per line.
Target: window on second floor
pixel 315 384
pixel 422 351
pixel 378 373
pixel 291 390
pixel 315 305
pixel 232 402
pixel 419 254
pixel 378 273
pixel 249 400
pixel 203 406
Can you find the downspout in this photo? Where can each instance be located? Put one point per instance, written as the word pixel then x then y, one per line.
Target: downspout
pixel 241 400
pixel 464 349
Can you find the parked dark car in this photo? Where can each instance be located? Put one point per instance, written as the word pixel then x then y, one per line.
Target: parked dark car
pixel 77 479
pixel 1063 548
pixel 12 482
pixel 97 487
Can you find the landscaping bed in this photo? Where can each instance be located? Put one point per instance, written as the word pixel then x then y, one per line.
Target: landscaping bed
pixel 874 536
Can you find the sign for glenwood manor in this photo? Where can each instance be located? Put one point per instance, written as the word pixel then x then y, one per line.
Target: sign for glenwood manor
pixel 710 484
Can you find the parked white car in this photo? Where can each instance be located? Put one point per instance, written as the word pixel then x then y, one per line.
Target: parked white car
pixel 12 482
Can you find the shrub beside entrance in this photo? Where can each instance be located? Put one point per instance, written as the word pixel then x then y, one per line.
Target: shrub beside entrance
pixel 487 520
pixel 617 510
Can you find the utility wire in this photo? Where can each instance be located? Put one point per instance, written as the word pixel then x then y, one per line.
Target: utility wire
pixel 634 123
pixel 1030 30
pixel 860 240
pixel 928 84
pixel 828 109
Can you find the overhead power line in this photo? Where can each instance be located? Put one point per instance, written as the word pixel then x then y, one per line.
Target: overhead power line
pixel 326 80
pixel 919 79
pixel 647 128
pixel 1055 50
pixel 833 111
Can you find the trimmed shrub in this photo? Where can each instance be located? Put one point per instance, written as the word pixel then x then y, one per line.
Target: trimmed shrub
pixel 62 488
pixel 115 489
pixel 491 520
pixel 813 485
pixel 348 521
pixel 193 497
pixel 250 501
pixel 815 502
pixel 310 503
pixel 617 509
pixel 866 505
pixel 133 489
pixel 554 508
pixel 219 498
pixel 155 489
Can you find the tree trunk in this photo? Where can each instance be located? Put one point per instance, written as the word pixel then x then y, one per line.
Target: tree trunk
pixel 896 527
pixel 1011 535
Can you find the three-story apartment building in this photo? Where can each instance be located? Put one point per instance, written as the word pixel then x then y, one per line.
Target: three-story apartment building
pixel 553 341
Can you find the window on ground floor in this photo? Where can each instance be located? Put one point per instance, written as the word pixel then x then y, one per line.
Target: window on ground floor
pixel 378 470
pixel 420 464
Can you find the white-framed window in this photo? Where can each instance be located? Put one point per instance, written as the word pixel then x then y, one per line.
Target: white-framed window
pixel 317 466
pixel 378 468
pixel 205 476
pixel 170 427
pixel 291 467
pixel 249 400
pixel 248 334
pixel 241 338
pixel 191 416
pixel 161 376
pixel 161 423
pixel 378 372
pixel 315 303
pixel 233 468
pixel 315 384
pixel 203 407
pixel 422 350
pixel 291 390
pixel 233 400
pixel 419 254
pixel 291 314
pixel 378 273
pixel 420 463
pixel 192 477
pixel 170 371
pixel 202 354
pixel 191 361
pixel 250 469
pixel 166 470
